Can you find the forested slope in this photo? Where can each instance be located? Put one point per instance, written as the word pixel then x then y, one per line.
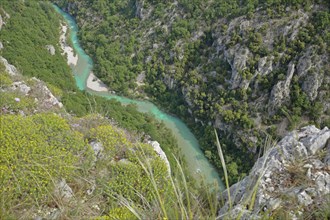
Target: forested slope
pixel 245 67
pixel 65 153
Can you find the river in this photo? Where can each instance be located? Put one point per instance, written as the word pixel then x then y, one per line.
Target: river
pixel 197 163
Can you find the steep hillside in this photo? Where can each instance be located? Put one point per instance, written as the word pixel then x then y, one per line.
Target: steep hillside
pixel 244 67
pixel 52 161
pixel 38 54
pixel 65 154
pixel 291 181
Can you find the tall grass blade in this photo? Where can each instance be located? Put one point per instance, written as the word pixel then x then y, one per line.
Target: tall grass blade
pixel 223 163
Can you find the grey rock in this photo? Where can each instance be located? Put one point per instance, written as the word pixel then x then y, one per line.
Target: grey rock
pixel 98 149
pixel 270 175
pixel 141 12
pixel 312 83
pixel 240 212
pixel 327 157
pixel 9 68
pixel 265 65
pixel 281 91
pixel 139 9
pixel 22 87
pixel 63 190
pixel 323 182
pixel 309 68
pixel 46 99
pixel 274 204
pixel 317 141
pixel 51 49
pixel 1 45
pixel 124 161
pixel 237 58
pixel 304 199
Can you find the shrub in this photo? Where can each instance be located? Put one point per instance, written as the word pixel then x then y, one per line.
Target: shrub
pixel 36 151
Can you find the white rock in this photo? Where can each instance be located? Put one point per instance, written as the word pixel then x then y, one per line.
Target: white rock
pixel 22 87
pixel 9 68
pixel 318 141
pixel 160 153
pixel 281 91
pixel 98 149
pixel 304 199
pixel 272 167
pixel 51 49
pixel 63 190
pixel 323 182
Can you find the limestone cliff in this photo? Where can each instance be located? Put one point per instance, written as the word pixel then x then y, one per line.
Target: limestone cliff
pixel 245 67
pixel 293 177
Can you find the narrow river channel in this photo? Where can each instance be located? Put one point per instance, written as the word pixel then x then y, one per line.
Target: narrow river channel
pixel 197 163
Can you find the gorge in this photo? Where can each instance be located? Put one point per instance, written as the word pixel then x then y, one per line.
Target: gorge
pixel 196 161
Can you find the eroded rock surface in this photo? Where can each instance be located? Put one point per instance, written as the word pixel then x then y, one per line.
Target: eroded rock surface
pixel 293 170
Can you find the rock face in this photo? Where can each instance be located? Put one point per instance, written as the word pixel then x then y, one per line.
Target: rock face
pixel 293 170
pixel 281 91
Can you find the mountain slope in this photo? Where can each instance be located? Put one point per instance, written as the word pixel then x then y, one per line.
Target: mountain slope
pixel 244 67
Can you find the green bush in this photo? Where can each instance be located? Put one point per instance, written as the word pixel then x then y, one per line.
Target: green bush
pixel 36 152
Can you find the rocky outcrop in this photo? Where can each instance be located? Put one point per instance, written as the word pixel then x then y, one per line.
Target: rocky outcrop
pixel 51 49
pixel 160 153
pixel 310 68
pixel 45 97
pixel 281 91
pixel 139 9
pixel 9 68
pixel 22 87
pixel 293 170
pixel 237 58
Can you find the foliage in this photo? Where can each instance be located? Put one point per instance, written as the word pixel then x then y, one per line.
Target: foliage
pixel 14 101
pixel 5 80
pixel 26 49
pixel 36 151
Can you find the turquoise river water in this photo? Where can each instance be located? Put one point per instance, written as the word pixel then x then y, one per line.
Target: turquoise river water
pixel 197 163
